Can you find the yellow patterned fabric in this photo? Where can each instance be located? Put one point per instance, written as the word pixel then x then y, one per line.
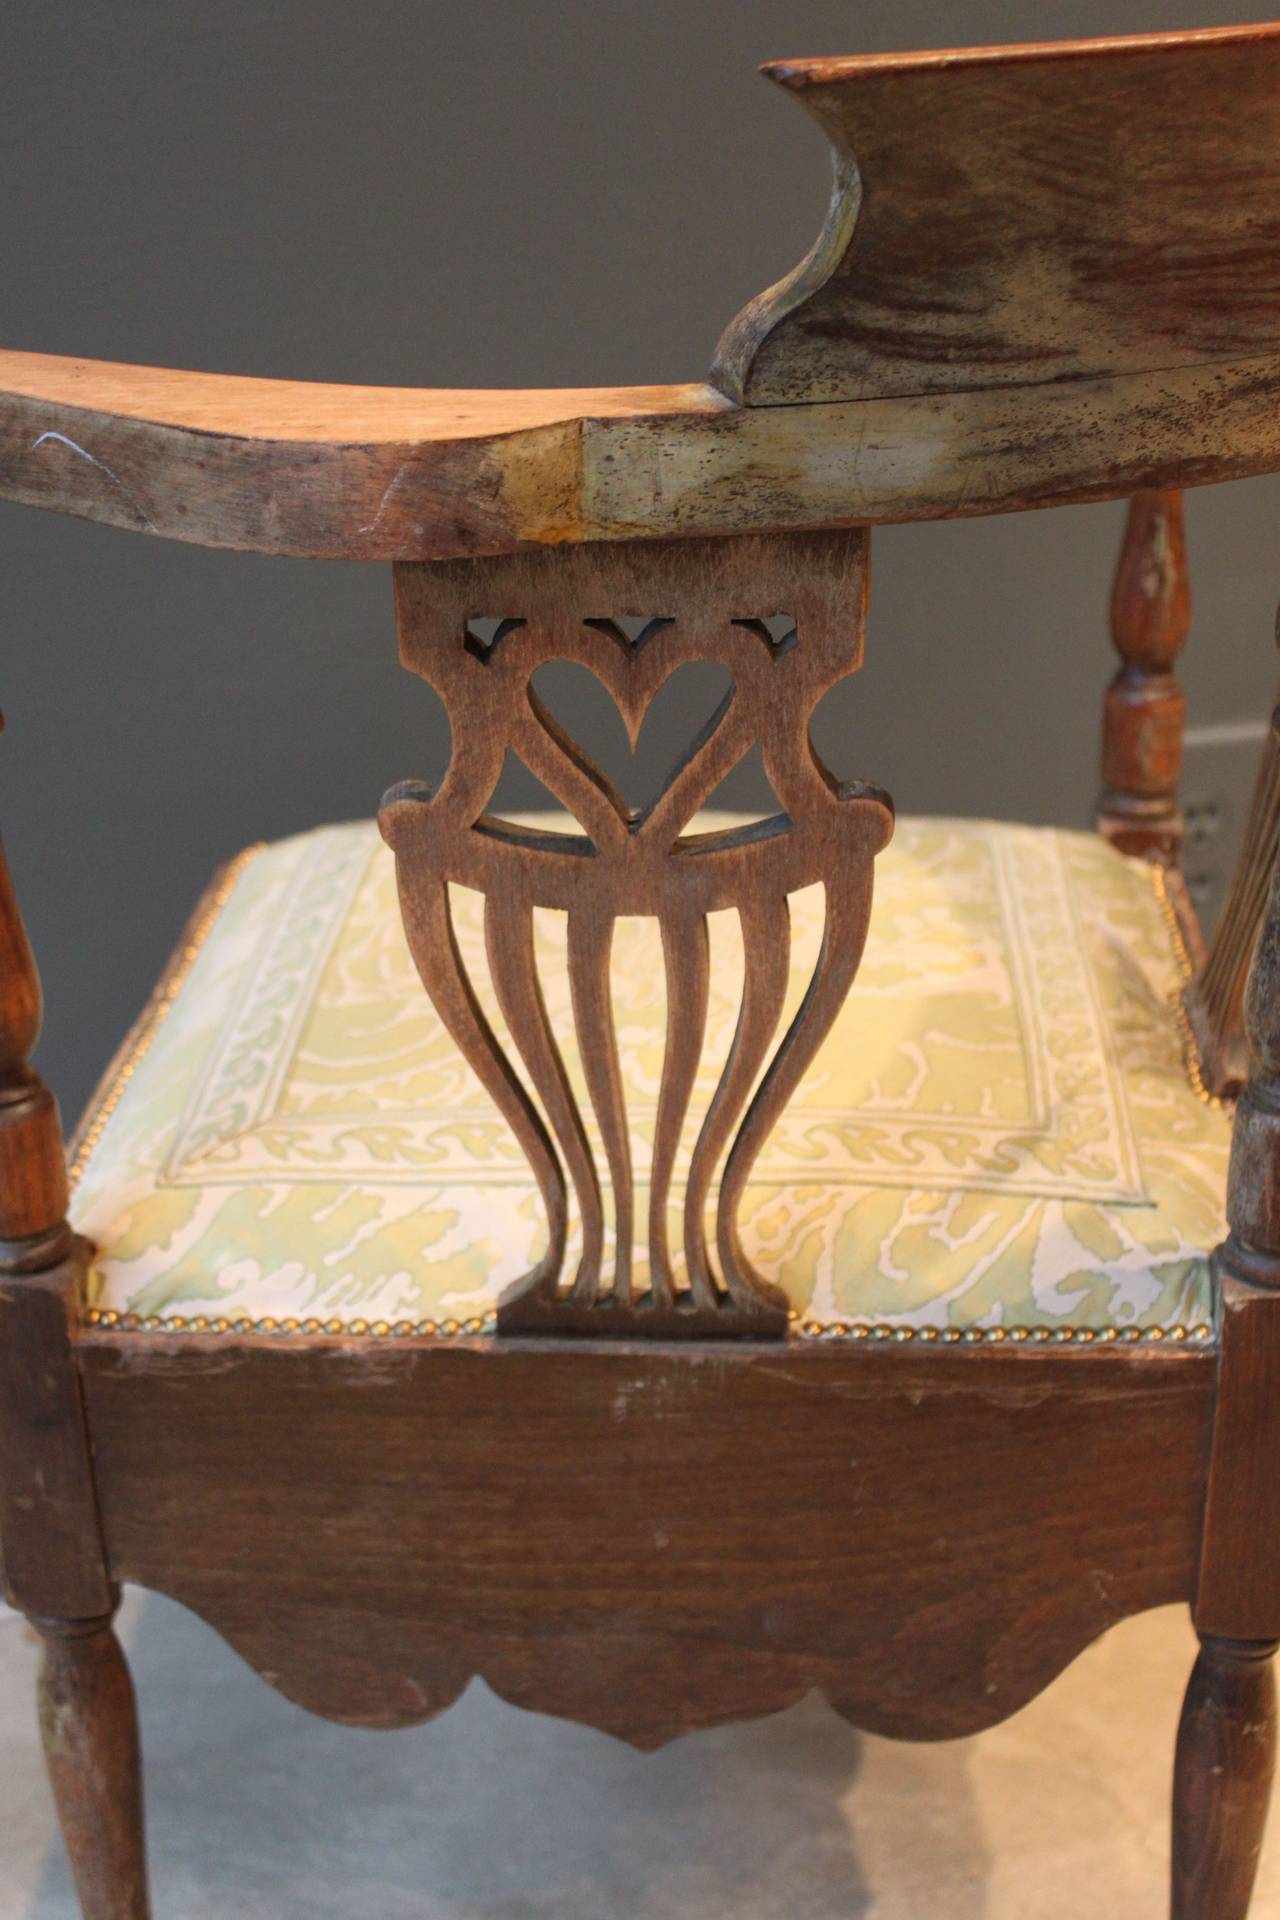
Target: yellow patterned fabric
pixel 1000 1131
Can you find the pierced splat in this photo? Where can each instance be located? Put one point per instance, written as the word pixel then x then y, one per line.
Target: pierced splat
pixel 594 606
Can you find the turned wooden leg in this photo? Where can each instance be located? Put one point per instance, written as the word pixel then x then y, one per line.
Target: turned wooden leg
pixel 1222 1778
pixel 90 1733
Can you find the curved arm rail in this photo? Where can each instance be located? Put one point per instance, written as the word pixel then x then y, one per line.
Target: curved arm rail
pixel 384 473
pixel 1048 274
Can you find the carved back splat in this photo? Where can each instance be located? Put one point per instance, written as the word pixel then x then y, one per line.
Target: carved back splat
pixel 702 600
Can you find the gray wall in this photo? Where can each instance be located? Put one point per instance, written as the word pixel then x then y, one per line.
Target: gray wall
pixel 487 192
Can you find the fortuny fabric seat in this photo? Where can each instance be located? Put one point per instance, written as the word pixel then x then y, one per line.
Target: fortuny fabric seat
pixel 664 1262
pixel 1002 1136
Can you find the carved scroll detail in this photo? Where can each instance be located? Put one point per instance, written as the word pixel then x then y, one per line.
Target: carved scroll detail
pixel 567 605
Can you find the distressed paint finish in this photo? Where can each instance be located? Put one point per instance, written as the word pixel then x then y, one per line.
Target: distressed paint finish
pixel 376 473
pixel 1018 216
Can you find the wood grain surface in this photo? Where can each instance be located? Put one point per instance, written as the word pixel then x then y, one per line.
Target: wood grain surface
pixel 1023 215
pixel 372 474
pixel 651 1539
pixel 710 602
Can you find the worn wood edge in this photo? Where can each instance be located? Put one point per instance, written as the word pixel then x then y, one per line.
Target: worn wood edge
pixel 821 70
pixel 50 1523
pixel 621 469
pixel 645 1687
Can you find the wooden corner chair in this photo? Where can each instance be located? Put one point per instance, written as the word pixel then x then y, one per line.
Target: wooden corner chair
pixel 641 1318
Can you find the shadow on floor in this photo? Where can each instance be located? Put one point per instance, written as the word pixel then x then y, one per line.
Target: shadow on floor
pixel 257 1809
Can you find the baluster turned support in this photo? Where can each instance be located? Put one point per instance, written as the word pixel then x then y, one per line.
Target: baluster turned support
pixel 1138 810
pixel 1226 1743
pixel 50 1541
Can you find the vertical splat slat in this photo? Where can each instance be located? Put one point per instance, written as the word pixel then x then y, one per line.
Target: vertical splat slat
pixel 433 941
pixel 848 909
pixel 590 944
pixel 635 617
pixel 686 953
pixel 509 944
pixel 766 943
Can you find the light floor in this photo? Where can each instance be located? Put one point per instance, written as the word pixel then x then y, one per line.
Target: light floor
pixel 489 1814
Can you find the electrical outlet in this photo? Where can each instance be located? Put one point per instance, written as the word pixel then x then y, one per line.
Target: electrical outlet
pixel 1218 773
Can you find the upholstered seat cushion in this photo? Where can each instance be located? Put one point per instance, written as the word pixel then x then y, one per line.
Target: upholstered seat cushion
pixel 1000 1133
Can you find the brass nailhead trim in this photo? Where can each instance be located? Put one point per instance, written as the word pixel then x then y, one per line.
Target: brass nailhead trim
pixel 478 1324
pixel 113 1321
pixel 1001 1336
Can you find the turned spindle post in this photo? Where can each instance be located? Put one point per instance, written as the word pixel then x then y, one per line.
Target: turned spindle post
pixel 50 1541
pixel 1226 1742
pixel 1138 810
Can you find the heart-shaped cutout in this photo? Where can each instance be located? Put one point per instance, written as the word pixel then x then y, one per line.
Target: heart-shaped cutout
pixel 679 720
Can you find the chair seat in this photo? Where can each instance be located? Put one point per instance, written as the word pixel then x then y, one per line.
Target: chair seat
pixel 1001 1137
